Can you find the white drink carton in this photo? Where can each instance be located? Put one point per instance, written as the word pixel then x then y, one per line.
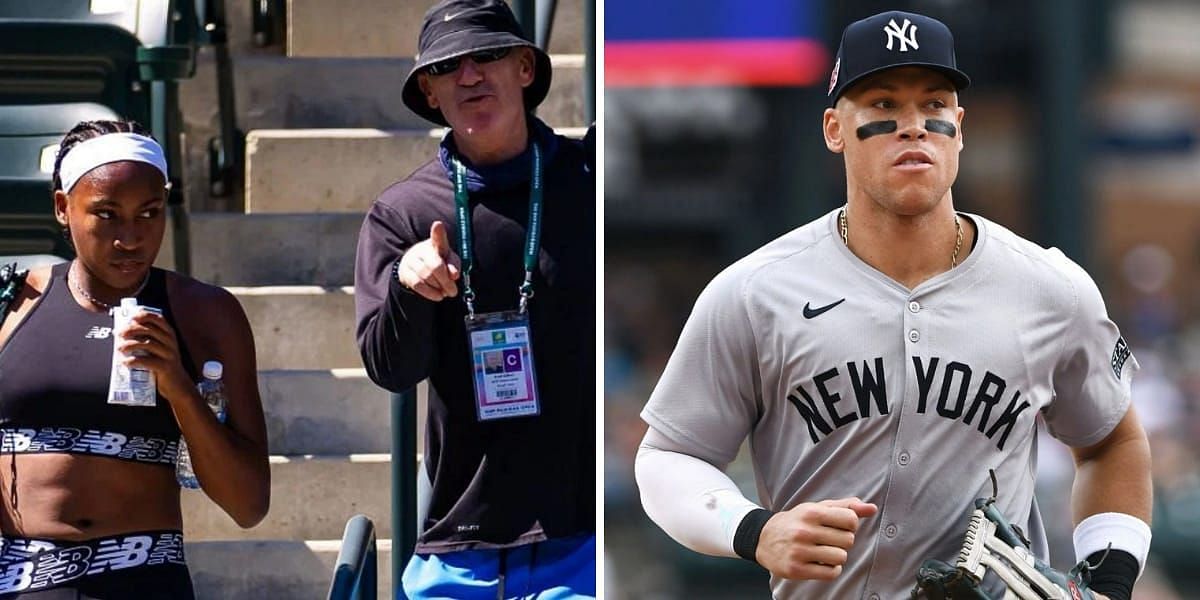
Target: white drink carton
pixel 132 387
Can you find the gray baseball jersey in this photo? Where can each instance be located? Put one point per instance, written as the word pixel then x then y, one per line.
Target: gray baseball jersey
pixel 850 384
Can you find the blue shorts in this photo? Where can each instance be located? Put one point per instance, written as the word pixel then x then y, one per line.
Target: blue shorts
pixel 560 569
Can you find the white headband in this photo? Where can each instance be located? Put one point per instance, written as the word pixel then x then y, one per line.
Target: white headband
pixel 109 148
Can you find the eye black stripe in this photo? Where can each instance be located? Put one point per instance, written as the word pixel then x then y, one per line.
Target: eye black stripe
pixel 876 128
pixel 939 126
pixel 884 127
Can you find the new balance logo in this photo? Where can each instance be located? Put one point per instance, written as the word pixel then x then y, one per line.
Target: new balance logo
pixel 91 441
pixel 906 34
pixel 98 333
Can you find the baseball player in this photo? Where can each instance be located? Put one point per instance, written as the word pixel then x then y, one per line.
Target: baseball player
pixel 885 357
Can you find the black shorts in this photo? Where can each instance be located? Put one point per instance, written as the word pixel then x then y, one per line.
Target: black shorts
pixel 135 565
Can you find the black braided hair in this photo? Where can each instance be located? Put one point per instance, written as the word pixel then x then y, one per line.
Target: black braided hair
pixel 86 130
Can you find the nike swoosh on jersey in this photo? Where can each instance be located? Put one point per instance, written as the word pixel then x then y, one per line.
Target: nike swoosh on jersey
pixel 810 313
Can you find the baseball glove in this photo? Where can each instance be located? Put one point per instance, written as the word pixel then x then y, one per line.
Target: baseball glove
pixel 993 543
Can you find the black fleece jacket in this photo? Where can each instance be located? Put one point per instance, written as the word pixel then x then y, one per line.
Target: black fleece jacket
pixel 511 481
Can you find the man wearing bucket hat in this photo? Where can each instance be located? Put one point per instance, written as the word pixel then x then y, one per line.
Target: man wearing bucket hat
pixel 477 271
pixel 885 358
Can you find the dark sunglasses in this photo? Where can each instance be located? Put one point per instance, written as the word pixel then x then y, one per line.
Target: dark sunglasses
pixel 451 65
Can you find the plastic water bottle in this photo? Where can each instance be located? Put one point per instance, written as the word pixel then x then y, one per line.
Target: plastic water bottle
pixel 213 392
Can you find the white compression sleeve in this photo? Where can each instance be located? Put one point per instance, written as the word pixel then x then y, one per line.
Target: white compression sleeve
pixel 692 500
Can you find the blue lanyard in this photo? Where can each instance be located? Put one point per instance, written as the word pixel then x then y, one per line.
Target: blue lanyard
pixel 533 233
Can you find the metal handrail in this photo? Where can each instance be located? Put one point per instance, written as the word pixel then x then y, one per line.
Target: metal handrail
pixel 404 484
pixel 267 21
pixel 355 575
pixel 543 20
pixel 525 12
pixel 225 151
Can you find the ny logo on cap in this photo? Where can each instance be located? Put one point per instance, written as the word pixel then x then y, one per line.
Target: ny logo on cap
pixel 898 32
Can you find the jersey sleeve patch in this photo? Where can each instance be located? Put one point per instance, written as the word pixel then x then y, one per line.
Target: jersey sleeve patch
pixel 1119 356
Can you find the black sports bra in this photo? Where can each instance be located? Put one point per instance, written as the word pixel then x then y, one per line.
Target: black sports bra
pixel 54 377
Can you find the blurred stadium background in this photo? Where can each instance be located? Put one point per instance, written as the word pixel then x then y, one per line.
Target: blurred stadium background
pixel 1081 132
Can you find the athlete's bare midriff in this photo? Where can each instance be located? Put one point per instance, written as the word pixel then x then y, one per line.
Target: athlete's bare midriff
pixel 74 497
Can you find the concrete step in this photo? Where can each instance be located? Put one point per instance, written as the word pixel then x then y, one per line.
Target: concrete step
pixel 330 170
pixel 332 411
pixel 301 327
pixel 277 92
pixel 311 498
pixel 390 28
pixel 274 249
pixel 334 170
pixel 284 569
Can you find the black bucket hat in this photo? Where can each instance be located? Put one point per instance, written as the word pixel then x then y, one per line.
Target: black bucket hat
pixel 893 39
pixel 458 27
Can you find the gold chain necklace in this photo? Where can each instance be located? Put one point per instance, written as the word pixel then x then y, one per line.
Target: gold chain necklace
pixel 958 235
pixel 106 306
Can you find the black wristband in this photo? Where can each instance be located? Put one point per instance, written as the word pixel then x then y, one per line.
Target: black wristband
pixel 745 540
pixel 1115 576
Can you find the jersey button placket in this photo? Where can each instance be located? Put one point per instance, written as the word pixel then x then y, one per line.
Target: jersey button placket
pixel 911 321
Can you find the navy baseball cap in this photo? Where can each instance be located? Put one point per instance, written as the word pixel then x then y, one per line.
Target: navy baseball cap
pixel 453 28
pixel 893 39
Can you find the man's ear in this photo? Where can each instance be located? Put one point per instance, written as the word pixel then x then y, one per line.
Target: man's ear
pixel 423 83
pixel 961 112
pixel 832 128
pixel 528 67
